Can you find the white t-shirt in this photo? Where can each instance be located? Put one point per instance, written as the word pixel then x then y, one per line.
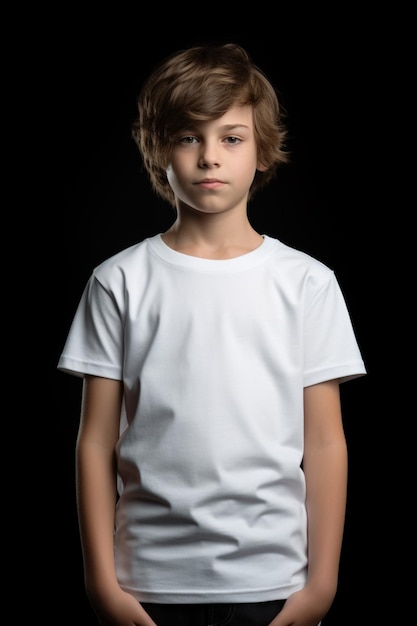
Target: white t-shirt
pixel 214 356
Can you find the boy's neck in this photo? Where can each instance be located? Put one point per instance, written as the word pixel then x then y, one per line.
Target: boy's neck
pixel 212 240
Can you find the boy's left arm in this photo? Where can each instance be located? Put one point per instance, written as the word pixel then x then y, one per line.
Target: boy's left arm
pixel 325 468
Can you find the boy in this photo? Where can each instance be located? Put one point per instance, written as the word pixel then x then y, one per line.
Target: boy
pixel 211 459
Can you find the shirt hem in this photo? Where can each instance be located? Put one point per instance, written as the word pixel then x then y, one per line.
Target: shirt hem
pixel 215 597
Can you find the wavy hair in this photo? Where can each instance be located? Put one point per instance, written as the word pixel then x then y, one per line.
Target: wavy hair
pixel 201 84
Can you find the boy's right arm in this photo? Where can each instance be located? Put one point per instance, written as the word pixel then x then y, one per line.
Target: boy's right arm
pixel 96 489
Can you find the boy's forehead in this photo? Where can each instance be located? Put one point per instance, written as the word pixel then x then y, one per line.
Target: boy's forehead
pixel 235 117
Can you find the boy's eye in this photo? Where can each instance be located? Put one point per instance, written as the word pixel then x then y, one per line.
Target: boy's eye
pixel 190 139
pixel 187 139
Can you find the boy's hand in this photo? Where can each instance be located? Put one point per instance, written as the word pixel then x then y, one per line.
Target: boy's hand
pixel 303 608
pixel 120 608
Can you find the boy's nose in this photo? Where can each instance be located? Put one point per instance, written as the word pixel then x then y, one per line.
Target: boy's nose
pixel 209 156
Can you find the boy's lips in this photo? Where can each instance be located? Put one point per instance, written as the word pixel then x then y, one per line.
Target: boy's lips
pixel 210 183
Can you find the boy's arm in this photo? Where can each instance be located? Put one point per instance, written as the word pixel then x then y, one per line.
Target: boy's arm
pixel 96 485
pixel 96 489
pixel 325 468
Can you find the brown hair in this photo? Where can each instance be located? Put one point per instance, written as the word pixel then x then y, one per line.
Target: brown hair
pixel 202 84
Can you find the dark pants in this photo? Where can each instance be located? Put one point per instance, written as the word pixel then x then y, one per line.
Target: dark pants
pixel 245 614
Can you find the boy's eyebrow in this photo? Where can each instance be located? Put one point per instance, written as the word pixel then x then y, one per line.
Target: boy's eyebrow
pixel 225 128
pixel 232 126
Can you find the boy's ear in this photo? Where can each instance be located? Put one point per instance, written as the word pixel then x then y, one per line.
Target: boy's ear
pixel 261 167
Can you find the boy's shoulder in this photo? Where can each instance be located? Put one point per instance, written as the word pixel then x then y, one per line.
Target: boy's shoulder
pixel 297 258
pixel 123 259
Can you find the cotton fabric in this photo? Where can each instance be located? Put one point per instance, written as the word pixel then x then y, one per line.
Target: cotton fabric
pixel 214 356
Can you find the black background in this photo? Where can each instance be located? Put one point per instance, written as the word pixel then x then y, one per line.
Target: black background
pixel 321 203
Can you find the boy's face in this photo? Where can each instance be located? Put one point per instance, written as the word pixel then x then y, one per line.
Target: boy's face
pixel 213 163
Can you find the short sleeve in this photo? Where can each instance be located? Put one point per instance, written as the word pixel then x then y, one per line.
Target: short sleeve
pixel 331 347
pixel 94 343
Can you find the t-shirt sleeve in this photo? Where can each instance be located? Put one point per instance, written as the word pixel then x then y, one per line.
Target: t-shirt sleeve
pixel 331 347
pixel 94 343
